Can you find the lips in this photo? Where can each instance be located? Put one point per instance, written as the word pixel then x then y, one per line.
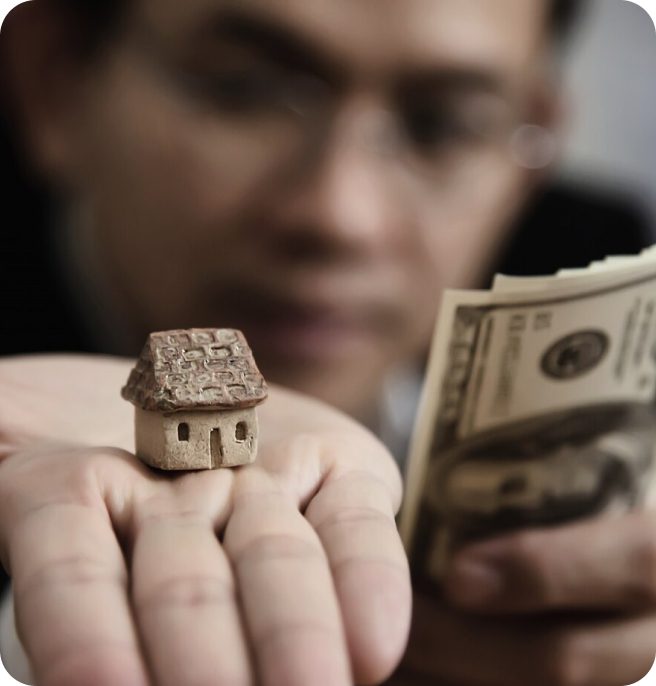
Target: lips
pixel 305 328
pixel 310 335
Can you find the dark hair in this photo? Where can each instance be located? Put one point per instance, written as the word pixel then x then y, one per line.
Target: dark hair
pixel 98 19
pixel 95 21
pixel 563 15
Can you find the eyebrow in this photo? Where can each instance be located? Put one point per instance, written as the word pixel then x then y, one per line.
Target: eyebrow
pixel 463 79
pixel 283 44
pixel 274 40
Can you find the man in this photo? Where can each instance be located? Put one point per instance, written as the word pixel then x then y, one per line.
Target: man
pixel 381 176
pixel 315 174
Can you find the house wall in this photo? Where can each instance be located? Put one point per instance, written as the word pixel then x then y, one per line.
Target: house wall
pixel 157 441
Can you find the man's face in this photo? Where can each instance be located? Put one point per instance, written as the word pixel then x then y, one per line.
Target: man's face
pixel 312 172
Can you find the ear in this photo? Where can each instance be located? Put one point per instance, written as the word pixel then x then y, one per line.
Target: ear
pixel 42 75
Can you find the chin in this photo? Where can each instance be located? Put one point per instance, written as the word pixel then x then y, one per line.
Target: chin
pixel 352 386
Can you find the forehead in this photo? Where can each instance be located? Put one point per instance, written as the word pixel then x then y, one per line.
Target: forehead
pixel 375 34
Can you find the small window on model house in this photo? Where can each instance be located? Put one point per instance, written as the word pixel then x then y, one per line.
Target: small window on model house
pixel 241 431
pixel 183 431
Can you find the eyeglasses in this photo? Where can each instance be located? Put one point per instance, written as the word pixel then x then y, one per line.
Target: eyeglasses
pixel 441 138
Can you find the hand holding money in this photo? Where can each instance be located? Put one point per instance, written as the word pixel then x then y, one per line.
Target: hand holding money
pixel 530 471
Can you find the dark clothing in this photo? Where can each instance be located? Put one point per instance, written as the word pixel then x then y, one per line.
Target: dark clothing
pixel 568 227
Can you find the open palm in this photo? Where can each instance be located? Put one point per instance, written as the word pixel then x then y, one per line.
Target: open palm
pixel 288 571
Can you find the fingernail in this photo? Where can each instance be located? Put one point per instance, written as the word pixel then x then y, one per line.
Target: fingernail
pixel 473 582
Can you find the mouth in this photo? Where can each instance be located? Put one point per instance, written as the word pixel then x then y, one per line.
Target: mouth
pixel 308 335
pixel 298 329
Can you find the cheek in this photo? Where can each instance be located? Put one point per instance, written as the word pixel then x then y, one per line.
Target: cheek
pixel 179 170
pixel 465 241
pixel 157 160
pixel 459 240
pixel 169 188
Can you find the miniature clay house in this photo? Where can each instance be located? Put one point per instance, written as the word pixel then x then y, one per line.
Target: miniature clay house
pixel 195 393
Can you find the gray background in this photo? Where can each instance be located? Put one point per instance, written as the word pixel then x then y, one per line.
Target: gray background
pixel 610 78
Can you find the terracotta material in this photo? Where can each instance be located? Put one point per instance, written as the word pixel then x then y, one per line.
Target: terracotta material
pixel 195 393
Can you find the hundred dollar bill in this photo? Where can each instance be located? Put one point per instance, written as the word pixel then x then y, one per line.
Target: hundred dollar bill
pixel 538 407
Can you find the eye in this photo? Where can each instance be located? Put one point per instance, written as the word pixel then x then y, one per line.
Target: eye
pixel 242 90
pixel 432 127
pixel 258 89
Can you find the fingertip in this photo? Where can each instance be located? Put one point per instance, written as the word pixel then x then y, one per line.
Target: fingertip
pixel 377 622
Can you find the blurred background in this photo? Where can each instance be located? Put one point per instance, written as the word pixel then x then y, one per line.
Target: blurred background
pixel 612 130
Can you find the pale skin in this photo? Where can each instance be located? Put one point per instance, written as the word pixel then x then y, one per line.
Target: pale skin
pixel 289 571
pixel 375 239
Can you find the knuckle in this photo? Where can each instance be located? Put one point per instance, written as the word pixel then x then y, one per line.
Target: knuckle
pixel 52 474
pixel 275 547
pixel 164 511
pixel 187 591
pixel 84 481
pixel 364 454
pixel 75 570
pixel 304 447
pixel 354 517
pixel 533 572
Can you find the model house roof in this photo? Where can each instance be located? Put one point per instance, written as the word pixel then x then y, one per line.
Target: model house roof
pixel 195 369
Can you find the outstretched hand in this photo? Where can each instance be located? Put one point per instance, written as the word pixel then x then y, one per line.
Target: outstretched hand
pixel 288 571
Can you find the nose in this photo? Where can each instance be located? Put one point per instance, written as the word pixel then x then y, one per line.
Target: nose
pixel 344 195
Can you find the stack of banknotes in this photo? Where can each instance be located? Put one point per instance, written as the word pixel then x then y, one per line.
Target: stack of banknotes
pixel 539 407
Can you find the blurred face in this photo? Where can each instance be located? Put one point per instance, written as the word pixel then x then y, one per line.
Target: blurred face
pixel 312 172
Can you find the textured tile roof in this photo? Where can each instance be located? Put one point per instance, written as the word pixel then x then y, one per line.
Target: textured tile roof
pixel 195 369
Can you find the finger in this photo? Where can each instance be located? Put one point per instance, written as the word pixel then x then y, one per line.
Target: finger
pixel 289 602
pixel 478 651
pixel 70 589
pixel 598 564
pixel 185 601
pixel 354 517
